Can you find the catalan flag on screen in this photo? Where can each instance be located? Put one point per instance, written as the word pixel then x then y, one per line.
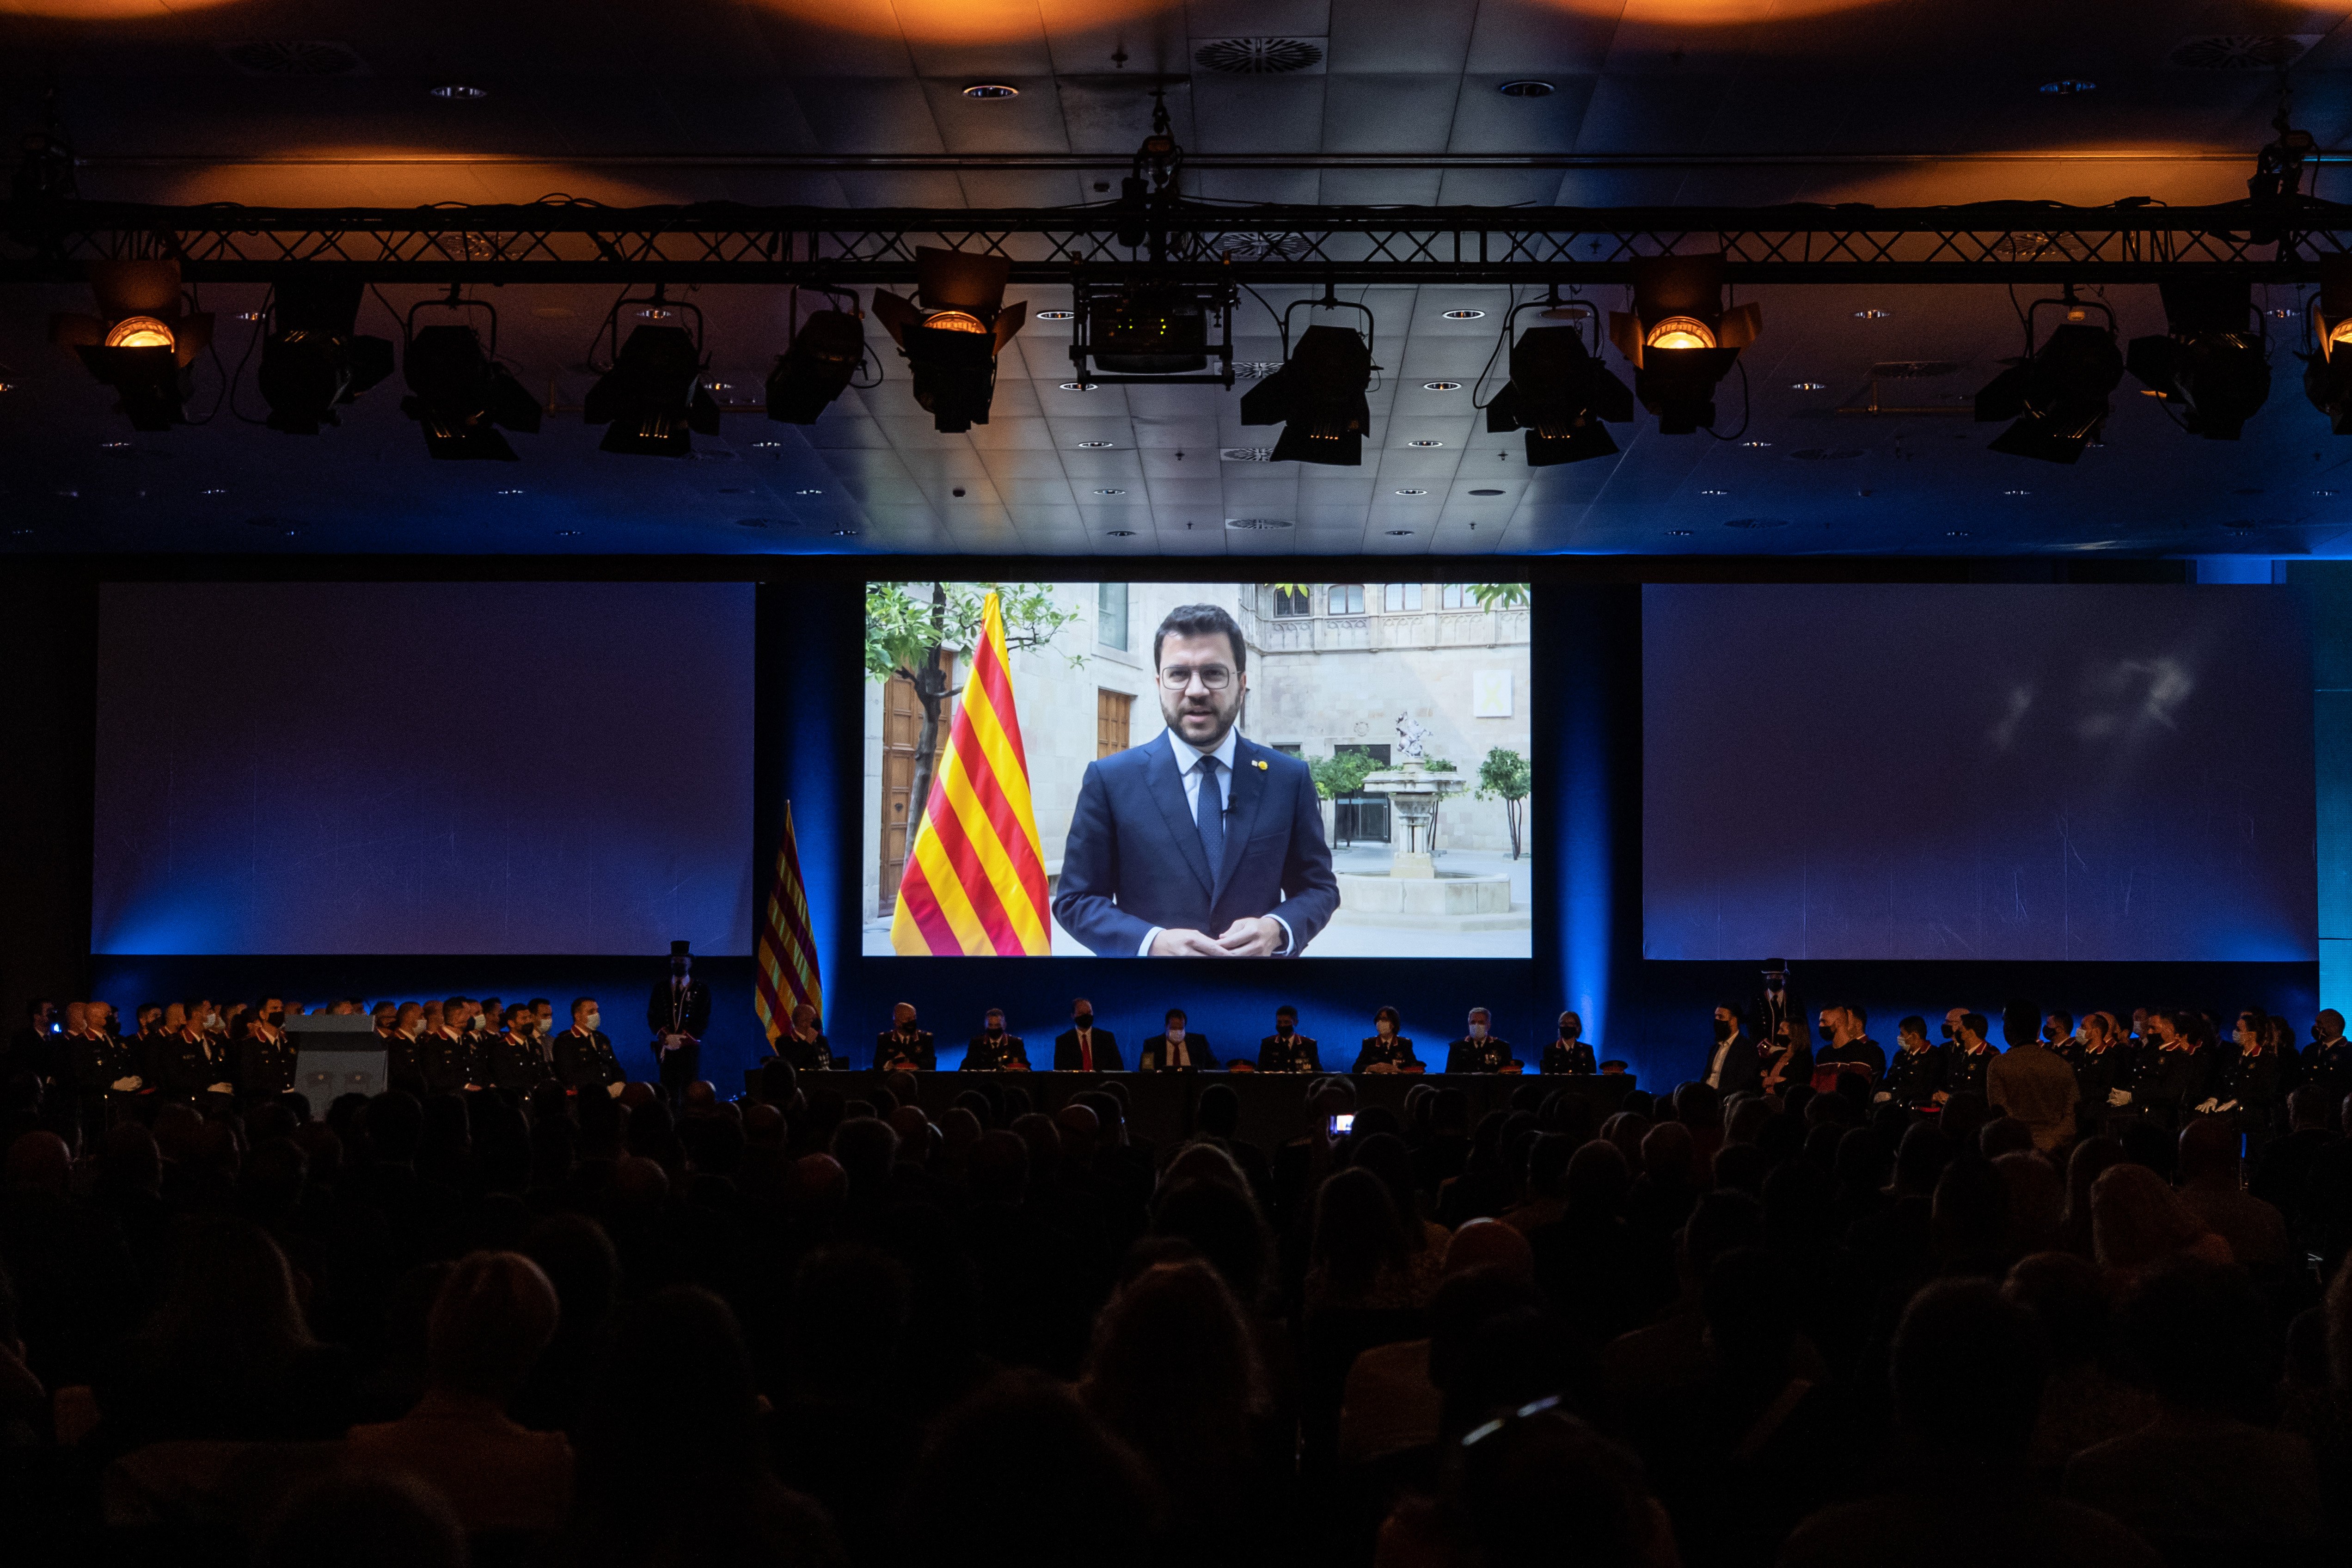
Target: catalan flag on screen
pixel 786 956
pixel 975 880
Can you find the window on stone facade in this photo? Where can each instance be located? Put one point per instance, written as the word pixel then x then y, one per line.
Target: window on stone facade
pixel 1399 596
pixel 1292 602
pixel 1346 599
pixel 1111 615
pixel 1456 597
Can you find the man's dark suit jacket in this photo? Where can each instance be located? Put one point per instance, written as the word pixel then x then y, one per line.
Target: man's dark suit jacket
pixel 1743 1066
pixel 1489 1055
pixel 982 1054
pixel 587 1062
pixel 1154 1056
pixel 921 1053
pixel 806 1056
pixel 264 1067
pixel 1133 860
pixel 449 1065
pixel 188 1068
pixel 697 1012
pixel 1298 1054
pixel 1106 1044
pixel 517 1063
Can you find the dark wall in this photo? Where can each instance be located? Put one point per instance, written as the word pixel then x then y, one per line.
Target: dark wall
pixel 48 629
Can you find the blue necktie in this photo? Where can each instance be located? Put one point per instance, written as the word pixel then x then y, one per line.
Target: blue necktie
pixel 1209 812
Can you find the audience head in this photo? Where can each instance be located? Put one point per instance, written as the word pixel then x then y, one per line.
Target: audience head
pixel 1968 1368
pixel 973 1494
pixel 363 1518
pixel 2196 1333
pixel 495 1313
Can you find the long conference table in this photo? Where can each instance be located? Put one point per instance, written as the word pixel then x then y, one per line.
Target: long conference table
pixel 1160 1106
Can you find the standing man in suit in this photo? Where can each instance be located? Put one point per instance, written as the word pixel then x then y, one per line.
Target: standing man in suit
pixel 993 1050
pixel 1735 1065
pixel 1197 844
pixel 1286 1050
pixel 904 1046
pixel 1175 1048
pixel 1084 1047
pixel 585 1062
pixel 678 1013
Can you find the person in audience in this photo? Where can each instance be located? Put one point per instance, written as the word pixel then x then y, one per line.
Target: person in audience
pixel 1846 1048
pixel 1915 1073
pixel 33 1050
pixel 448 1051
pixel 1569 1053
pixel 994 1050
pixel 361 1519
pixel 1085 1045
pixel 1968 1061
pixel 104 1071
pixel 193 1066
pixel 2212 1188
pixel 2030 1082
pixel 1735 1065
pixel 1385 1050
pixel 902 1046
pixel 971 1495
pixel 2169 1081
pixel 2327 1061
pixel 802 1043
pixel 265 1059
pixel 493 1315
pixel 1286 1050
pixel 1478 1049
pixel 1175 1048
pixel 2248 1081
pixel 585 1062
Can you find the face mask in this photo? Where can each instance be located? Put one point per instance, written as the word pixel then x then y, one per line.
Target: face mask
pixel 212 1021
pixel 1477 1031
pixel 1948 1031
pixel 1386 1028
pixel 994 1029
pixel 276 1019
pixel 1828 1034
pixel 1722 1029
pixel 594 1019
pixel 1567 1031
pixel 1283 1027
pixel 1175 1032
pixel 1085 1020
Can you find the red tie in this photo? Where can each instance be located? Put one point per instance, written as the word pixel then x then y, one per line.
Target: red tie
pixel 1086 1050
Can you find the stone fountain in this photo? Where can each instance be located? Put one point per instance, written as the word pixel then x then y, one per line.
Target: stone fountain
pixel 1415 891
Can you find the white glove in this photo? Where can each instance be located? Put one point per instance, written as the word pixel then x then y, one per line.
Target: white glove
pixel 128 1085
pixel 2119 1097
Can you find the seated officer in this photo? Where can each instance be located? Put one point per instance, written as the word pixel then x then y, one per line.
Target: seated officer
pixel 1286 1050
pixel 1176 1049
pixel 993 1050
pixel 585 1062
pixel 1478 1050
pixel 904 1046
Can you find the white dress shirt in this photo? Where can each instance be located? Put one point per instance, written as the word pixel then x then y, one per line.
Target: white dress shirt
pixel 1188 769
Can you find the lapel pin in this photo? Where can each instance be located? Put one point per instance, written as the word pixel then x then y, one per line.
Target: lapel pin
pixel 1259 764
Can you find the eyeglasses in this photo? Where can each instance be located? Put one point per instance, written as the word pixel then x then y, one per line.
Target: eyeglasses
pixel 1212 677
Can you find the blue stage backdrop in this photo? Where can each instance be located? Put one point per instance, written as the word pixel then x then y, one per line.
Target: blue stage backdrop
pixel 1892 772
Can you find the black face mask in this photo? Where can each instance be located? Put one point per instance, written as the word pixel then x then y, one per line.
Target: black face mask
pixel 1085 1020
pixel 1722 1029
pixel 276 1019
pixel 1283 1027
pixel 1948 1031
pixel 994 1030
pixel 1829 1034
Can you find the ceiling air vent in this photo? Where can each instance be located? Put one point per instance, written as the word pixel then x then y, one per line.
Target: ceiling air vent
pixel 1257 524
pixel 2241 51
pixel 294 56
pixel 1247 453
pixel 1258 56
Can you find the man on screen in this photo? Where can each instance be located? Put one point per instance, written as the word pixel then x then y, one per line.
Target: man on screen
pixel 1197 844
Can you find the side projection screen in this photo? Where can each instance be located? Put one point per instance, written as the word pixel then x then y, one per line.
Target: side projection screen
pixel 1977 771
pixel 1197 769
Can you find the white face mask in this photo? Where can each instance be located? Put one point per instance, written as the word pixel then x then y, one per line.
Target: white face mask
pixel 592 1019
pixel 1175 1032
pixel 1477 1031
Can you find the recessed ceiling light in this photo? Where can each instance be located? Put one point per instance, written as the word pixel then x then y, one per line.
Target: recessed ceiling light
pixel 1119 533
pixel 1424 443
pixel 765 445
pixel 249 315
pixel 990 89
pixel 1486 492
pixel 1057 315
pixel 1095 446
pixel 567 534
pixel 1756 443
pixel 460 92
pixel 1955 533
pixel 1440 387
pixel 717 386
pixel 217 491
pixel 113 445
pixel 1412 492
pixel 510 492
pixel 1715 492
pixel 1807 386
pixel 1679 534
pixel 1079 385
pixel 2017 492
pixel 2069 87
pixel 843 532
pixel 1872 313
pixel 1110 493
pixel 1526 87
pixel 808 492
pixel 1398 532
pixel 1465 315
pixel 2322 492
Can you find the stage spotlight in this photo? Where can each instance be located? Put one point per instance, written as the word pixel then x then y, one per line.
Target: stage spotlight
pixel 653 397
pixel 2057 393
pixel 1317 398
pixel 952 333
pixel 2328 372
pixel 140 341
pixel 1680 338
pixel 819 365
pixel 1558 393
pixel 459 394
pixel 316 359
pixel 2210 362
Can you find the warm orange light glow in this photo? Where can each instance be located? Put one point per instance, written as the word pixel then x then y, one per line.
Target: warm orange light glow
pixel 969 21
pixel 1681 332
pixel 955 322
pixel 2341 333
pixel 140 332
pixel 106 10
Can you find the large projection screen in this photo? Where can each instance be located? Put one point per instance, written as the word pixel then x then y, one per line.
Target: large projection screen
pixel 423 768
pixel 2012 771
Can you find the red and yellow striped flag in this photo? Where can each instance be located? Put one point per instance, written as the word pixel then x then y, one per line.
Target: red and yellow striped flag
pixel 786 956
pixel 975 880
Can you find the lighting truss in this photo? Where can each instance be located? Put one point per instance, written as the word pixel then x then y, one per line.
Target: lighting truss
pixel 2279 241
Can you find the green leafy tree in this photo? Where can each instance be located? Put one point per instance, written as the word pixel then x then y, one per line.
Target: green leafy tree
pixel 1343 773
pixel 1499 595
pixel 910 625
pixel 1506 776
